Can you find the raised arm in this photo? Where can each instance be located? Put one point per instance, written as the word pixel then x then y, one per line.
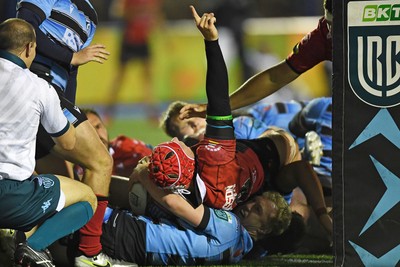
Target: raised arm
pixel 301 174
pixel 219 115
pixel 262 85
pixel 254 89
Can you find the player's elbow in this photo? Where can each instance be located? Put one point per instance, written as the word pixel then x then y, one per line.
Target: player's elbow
pixel 68 144
pixel 67 141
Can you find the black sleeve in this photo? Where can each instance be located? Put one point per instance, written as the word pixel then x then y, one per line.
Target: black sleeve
pixel 219 115
pixel 216 81
pixel 35 16
pixel 204 221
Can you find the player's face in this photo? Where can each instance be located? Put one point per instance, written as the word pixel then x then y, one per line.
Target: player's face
pixel 189 127
pixel 256 213
pixel 99 127
pixel 185 148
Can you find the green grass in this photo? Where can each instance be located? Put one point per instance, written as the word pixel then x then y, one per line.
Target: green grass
pixel 142 129
pixel 292 260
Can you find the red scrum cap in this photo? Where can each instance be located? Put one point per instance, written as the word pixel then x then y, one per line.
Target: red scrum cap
pixel 170 167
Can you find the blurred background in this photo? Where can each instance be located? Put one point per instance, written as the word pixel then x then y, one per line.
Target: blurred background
pixel 131 94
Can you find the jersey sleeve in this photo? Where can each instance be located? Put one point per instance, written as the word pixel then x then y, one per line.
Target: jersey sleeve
pixel 42 7
pixel 53 119
pixel 314 48
pixel 219 115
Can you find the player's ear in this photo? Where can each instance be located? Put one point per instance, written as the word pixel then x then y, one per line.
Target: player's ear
pixel 30 49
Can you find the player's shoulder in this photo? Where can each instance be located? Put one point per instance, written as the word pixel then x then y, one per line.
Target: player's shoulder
pixel 42 85
pixel 224 215
pixel 226 222
pixel 30 79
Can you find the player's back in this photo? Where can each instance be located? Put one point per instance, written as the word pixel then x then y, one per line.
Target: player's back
pixel 21 94
pixel 278 114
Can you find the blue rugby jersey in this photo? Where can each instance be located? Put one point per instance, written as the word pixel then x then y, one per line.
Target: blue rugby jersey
pixel 66 26
pixel 223 240
pixel 219 239
pixel 317 115
pixel 278 114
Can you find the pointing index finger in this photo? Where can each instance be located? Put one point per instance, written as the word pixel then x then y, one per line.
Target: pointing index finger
pixel 194 14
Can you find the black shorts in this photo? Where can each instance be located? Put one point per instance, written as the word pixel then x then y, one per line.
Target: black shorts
pixel 131 51
pixel 44 142
pixel 124 237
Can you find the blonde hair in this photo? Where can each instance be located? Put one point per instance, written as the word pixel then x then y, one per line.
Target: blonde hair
pixel 281 221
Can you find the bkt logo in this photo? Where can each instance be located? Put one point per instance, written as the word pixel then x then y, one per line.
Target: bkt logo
pixel 374 64
pixel 381 12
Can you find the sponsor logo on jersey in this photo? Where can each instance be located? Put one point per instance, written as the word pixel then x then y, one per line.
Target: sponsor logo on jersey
pixel 70 117
pixel 213 147
pixel 88 24
pixel 46 205
pixel 45 182
pixel 230 197
pixel 223 215
pixel 77 109
pixel 244 191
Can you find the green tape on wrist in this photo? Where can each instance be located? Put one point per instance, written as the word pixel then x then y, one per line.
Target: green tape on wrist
pixel 220 118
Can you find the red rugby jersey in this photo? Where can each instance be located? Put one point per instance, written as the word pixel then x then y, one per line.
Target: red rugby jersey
pixel 314 48
pixel 229 174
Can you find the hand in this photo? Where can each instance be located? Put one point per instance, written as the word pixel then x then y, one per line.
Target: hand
pixel 96 53
pixel 193 110
pixel 140 172
pixel 206 25
pixel 145 160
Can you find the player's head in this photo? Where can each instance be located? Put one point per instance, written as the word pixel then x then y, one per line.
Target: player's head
pixel 175 127
pixel 18 37
pixel 289 240
pixel 97 123
pixel 268 214
pixel 172 165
